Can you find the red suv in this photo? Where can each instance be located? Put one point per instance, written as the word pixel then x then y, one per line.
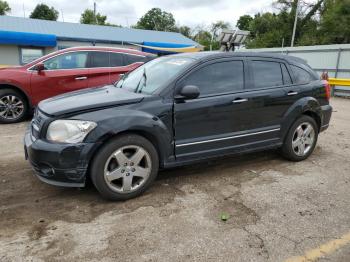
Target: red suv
pixel 23 87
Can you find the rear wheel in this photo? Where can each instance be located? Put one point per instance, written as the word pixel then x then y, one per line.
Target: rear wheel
pixel 13 106
pixel 301 139
pixel 125 167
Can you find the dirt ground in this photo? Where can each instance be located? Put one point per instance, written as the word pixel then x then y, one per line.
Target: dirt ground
pixel 277 209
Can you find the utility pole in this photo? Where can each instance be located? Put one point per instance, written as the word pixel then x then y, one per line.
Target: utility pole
pixel 24 12
pixel 295 24
pixel 95 13
pixel 62 15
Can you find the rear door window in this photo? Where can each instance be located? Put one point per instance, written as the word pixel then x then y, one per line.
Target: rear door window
pixel 218 78
pixel 266 74
pixel 130 59
pixel 301 76
pixel 106 59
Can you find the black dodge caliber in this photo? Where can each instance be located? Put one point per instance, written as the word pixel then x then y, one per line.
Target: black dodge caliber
pixel 173 111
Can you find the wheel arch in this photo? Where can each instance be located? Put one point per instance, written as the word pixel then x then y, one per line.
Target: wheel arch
pixel 19 90
pixel 306 106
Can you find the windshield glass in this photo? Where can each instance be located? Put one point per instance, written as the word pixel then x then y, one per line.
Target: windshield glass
pixel 152 75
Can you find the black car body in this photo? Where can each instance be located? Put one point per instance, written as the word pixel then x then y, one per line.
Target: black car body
pixel 247 102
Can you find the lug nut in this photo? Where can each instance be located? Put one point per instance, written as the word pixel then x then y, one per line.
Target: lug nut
pixel 122 171
pixel 133 170
pixel 127 174
pixel 131 164
pixel 125 164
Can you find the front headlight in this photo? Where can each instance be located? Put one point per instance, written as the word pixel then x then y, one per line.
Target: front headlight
pixel 69 131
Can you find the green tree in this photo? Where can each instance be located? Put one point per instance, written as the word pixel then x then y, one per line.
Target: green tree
pixel 88 17
pixel 42 11
pixel 4 7
pixel 271 29
pixel 335 22
pixel 185 30
pixel 215 29
pixel 156 19
pixel 244 21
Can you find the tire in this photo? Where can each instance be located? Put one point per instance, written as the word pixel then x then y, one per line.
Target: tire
pixel 299 137
pixel 124 167
pixel 13 106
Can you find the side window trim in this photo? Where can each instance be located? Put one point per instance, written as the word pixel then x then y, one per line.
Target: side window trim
pixel 288 72
pixel 194 69
pixel 88 61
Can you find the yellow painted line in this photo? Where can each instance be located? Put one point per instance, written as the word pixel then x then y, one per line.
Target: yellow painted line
pixel 323 250
pixel 3 66
pixel 339 81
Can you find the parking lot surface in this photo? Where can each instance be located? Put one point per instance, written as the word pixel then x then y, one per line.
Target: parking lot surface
pixel 278 210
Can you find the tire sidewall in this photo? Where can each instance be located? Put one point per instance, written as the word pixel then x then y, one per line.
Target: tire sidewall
pixel 6 92
pixel 287 148
pixel 99 161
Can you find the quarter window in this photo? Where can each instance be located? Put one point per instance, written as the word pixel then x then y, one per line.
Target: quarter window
pixel 218 78
pixel 266 74
pixel 67 61
pixel 301 75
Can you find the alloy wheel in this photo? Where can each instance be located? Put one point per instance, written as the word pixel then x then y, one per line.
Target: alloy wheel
pixel 303 139
pixel 11 107
pixel 127 169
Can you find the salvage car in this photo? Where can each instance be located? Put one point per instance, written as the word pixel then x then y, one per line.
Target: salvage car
pixel 177 110
pixel 23 87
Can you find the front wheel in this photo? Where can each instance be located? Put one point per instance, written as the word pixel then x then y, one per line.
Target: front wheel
pixel 13 106
pixel 301 139
pixel 125 167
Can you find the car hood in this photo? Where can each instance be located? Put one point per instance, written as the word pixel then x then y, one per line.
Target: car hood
pixel 87 99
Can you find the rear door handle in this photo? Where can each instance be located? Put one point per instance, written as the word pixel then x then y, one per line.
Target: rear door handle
pixel 81 78
pixel 239 100
pixel 292 93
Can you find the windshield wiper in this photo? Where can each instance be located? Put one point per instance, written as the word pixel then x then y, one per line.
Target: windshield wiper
pixel 144 76
pixel 122 79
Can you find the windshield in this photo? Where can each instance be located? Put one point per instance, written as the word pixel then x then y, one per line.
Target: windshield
pixel 154 74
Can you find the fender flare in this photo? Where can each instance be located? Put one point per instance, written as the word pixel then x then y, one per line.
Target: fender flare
pixel 305 105
pixel 139 122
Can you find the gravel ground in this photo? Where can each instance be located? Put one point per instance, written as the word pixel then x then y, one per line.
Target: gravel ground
pixel 277 209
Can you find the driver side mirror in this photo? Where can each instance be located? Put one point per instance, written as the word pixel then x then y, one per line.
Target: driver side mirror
pixel 189 92
pixel 40 67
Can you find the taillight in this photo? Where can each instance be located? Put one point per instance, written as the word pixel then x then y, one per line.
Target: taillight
pixel 327 88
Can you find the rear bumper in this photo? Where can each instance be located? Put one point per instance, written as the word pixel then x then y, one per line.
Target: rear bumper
pixel 58 164
pixel 326 117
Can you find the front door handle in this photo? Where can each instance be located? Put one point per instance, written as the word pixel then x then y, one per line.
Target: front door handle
pixel 239 100
pixel 292 93
pixel 81 78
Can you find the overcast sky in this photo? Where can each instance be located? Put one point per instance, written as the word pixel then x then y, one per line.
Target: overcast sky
pixel 127 12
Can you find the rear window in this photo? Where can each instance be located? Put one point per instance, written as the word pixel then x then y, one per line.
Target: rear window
pixel 301 75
